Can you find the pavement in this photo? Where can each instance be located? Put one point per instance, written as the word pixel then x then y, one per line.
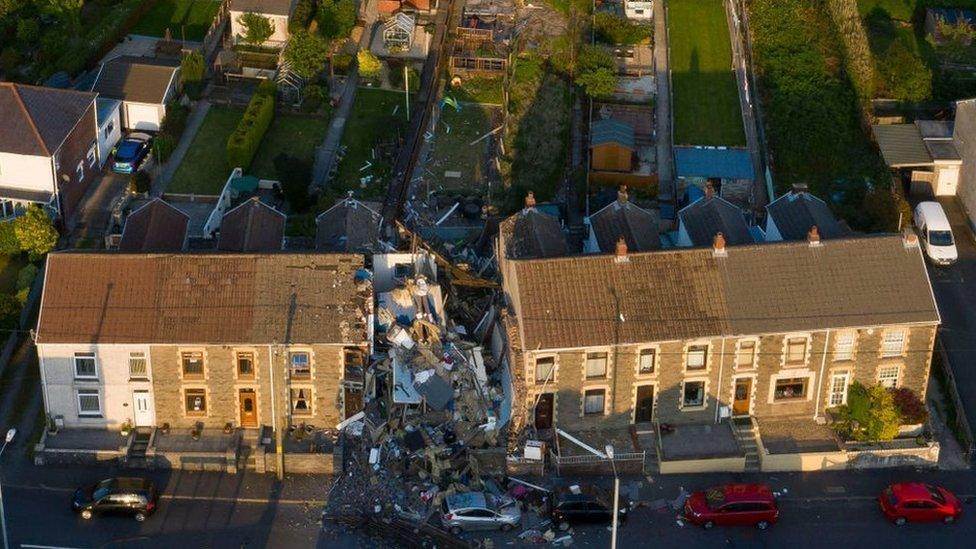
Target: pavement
pixel 161 180
pixel 662 75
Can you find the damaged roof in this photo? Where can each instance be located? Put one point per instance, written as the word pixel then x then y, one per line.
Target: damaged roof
pixel 683 294
pixel 203 299
pixel 349 226
pixel 532 234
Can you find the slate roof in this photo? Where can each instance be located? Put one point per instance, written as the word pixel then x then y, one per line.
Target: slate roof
pixel 901 145
pixel 157 226
pixel 639 227
pixel 203 299
pixel 349 226
pixel 264 7
pixel 35 120
pixel 611 131
pixel 709 215
pixel 796 212
pixel 532 234
pixel 685 294
pixel 136 79
pixel 727 163
pixel 252 226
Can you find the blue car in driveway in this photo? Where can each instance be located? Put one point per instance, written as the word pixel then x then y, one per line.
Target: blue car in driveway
pixel 130 152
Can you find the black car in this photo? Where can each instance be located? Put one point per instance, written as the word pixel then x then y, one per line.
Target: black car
pixel 572 509
pixel 135 497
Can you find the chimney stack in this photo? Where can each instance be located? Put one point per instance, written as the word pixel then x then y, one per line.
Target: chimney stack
pixel 620 251
pixel 910 238
pixel 813 236
pixel 622 196
pixel 530 200
pixel 800 188
pixel 709 190
pixel 718 245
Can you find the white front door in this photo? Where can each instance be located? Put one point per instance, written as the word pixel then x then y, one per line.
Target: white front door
pixel 142 409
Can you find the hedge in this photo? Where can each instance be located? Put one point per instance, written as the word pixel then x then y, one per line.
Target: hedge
pixel 243 143
pixel 301 16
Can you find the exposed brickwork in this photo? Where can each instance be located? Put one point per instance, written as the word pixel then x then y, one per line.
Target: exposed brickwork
pixel 74 151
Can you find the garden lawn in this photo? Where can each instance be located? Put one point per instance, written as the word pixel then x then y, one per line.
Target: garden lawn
pixel 293 134
pixel 705 96
pixel 453 151
pixel 204 169
pixel 480 90
pixel 192 17
pixel 371 122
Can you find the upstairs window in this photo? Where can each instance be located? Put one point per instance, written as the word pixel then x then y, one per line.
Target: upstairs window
pixel 697 357
pixel 544 369
pixel 745 357
pixel 893 344
pixel 796 350
pixel 596 365
pixel 245 365
pixel 137 366
pixel 300 365
pixel 844 346
pixel 192 365
pixel 85 366
pixel 645 361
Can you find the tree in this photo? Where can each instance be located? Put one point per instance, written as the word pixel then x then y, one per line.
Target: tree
pixel 35 232
pixel 9 245
pixel 307 53
pixel 369 66
pixel 28 31
pixel 191 73
pixel 595 71
pixel 68 11
pixel 257 28
pixel 294 175
pixel 614 29
pixel 336 18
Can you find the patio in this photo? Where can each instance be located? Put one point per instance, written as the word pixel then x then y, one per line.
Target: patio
pixel 794 437
pixel 85 439
pixel 709 441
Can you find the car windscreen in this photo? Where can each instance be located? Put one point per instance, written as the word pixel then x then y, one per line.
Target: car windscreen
pixel 714 498
pixel 127 149
pixel 102 489
pixel 935 494
pixel 940 238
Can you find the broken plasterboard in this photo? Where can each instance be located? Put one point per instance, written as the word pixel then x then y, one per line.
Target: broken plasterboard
pixel 437 392
pixel 451 174
pixel 403 390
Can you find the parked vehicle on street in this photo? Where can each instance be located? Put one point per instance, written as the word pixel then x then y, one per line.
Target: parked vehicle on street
pixel 936 233
pixel 135 497
pixel 131 152
pixel 572 509
pixel 733 505
pixel 479 511
pixel 919 502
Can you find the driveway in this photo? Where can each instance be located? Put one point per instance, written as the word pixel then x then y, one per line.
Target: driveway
pixel 93 217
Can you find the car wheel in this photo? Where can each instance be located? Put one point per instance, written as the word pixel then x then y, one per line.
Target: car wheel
pixel 506 527
pixel 949 519
pixel 762 525
pixel 456 530
pixel 86 514
pixel 900 521
pixel 563 526
pixel 708 524
pixel 140 517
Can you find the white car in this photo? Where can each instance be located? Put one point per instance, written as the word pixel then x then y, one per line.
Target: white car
pixel 936 233
pixel 479 511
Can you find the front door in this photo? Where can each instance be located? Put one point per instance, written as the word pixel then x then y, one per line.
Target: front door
pixel 743 396
pixel 543 412
pixel 142 409
pixel 249 408
pixel 645 404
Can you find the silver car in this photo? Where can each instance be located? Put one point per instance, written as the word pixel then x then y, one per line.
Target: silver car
pixel 479 511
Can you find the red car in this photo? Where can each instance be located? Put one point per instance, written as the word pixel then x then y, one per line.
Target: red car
pixel 733 505
pixel 919 502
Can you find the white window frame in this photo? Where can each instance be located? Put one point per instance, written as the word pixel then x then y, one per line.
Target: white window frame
pixel 705 356
pixel 87 355
pixel 883 380
pixel 206 402
pixel 92 156
pixel 139 355
pixel 606 399
pixel 755 353
pixel 237 365
pixel 885 352
pixel 693 407
pixel 309 400
pixel 203 365
pixel 640 356
pixel 80 170
pixel 786 350
pixel 291 369
pixel 845 352
pixel 551 379
pixel 832 390
pixel 606 365
pixel 88 393
pixel 792 374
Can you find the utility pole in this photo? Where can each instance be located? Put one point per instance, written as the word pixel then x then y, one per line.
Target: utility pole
pixel 406 89
pixel 276 425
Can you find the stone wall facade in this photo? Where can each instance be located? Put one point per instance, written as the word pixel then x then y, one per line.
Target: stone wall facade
pixel 779 383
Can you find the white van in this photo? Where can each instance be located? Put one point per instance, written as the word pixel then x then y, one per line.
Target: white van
pixel 933 228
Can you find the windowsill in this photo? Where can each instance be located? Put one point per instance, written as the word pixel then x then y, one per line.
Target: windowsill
pixel 301 377
pixel 790 400
pixel 302 415
pixel 245 378
pixel 848 359
pixel 139 379
pixel 196 414
pixel 91 416
pixel 799 364
pixel 86 379
pixel 595 415
pixel 595 378
pixel 194 378
pixel 696 408
pixel 647 374
pixel 891 357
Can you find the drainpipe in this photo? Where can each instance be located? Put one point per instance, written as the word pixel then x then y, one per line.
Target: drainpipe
pixel 274 414
pixel 718 393
pixel 823 365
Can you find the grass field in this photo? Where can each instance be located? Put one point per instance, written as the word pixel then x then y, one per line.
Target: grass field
pixel 453 151
pixel 192 17
pixel 204 168
pixel 292 134
pixel 372 122
pixel 482 90
pixel 705 96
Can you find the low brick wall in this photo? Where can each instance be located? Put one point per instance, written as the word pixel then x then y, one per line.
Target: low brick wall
pixel 314 464
pixel 856 456
pixel 193 461
pixel 48 456
pixel 735 464
pixel 879 458
pixel 809 461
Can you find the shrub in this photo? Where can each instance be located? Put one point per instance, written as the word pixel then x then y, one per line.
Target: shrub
pixel 615 29
pixel 911 408
pixel 341 63
pixel 306 53
pixel 243 143
pixel 369 66
pixel 336 18
pixel 257 28
pixel 35 232
pixel 139 182
pixel 301 16
pixel 191 74
pixel 596 72
pixel 9 245
pixel 26 276
pixel 313 96
pixel 9 59
pixel 294 174
pixel 869 415
pixel 164 146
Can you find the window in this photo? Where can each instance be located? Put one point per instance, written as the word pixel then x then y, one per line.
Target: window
pixel 300 365
pixel 596 365
pixel 594 401
pixel 893 344
pixel 80 171
pixel 645 362
pixel 796 350
pixel 85 366
pixel 192 365
pixel 544 369
pixel 838 389
pixel 402 270
pixel 693 394
pixel 196 402
pixel 844 346
pixel 888 376
pixel 245 365
pixel 89 403
pixel 790 388
pixel 137 366
pixel 697 357
pixel 91 156
pixel 745 357
pixel 109 129
pixel 301 402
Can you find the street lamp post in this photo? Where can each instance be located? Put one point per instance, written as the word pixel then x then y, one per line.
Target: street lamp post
pixel 616 495
pixel 3 519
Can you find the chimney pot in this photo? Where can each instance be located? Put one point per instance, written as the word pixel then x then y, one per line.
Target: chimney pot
pixel 911 239
pixel 709 190
pixel 813 236
pixel 719 244
pixel 530 200
pixel 621 249
pixel 800 188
